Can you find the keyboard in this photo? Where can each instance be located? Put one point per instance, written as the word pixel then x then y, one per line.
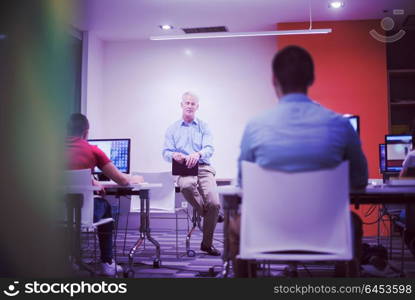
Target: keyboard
pixel 401 182
pixel 110 183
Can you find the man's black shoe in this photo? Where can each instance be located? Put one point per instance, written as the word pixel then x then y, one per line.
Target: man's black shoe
pixel 210 250
pixel 221 218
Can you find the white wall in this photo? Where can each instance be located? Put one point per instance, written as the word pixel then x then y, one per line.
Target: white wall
pixel 93 107
pixel 143 82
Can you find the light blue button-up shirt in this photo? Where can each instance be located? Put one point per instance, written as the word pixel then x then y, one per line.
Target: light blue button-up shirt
pixel 188 138
pixel 298 135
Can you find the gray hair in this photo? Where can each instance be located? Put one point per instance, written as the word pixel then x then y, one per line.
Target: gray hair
pixel 191 95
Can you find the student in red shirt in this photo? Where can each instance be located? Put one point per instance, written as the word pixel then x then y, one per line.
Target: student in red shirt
pixel 82 155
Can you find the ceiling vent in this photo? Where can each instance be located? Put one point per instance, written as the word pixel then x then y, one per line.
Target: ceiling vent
pixel 205 29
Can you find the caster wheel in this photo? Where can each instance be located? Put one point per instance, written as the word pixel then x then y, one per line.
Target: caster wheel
pixel 156 263
pixel 191 253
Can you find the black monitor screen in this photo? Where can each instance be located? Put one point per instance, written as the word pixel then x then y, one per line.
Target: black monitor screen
pixel 382 158
pixel 118 150
pixel 354 121
pixel 397 148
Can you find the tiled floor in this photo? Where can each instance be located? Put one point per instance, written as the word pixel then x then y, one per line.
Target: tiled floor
pixel 176 264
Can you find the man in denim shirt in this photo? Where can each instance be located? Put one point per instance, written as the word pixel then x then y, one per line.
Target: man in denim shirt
pixel 299 134
pixel 189 141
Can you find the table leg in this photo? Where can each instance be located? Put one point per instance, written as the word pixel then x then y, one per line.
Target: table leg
pixel 130 272
pixel 410 217
pixel 230 206
pixel 409 228
pixel 70 228
pixel 225 256
pixel 144 195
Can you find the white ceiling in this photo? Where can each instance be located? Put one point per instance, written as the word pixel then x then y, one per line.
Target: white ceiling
pixel 139 19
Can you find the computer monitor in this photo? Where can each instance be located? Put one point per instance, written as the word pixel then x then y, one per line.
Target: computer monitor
pixel 118 150
pixel 354 121
pixel 382 158
pixel 397 148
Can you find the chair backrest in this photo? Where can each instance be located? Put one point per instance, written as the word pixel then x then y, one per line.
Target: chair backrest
pixel 80 182
pixel 295 216
pixel 161 199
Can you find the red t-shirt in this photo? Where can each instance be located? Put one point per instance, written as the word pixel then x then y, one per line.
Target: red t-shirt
pixel 82 155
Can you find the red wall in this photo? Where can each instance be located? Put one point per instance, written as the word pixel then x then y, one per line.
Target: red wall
pixel 351 77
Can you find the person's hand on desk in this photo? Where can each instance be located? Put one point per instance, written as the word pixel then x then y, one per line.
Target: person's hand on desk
pixel 136 179
pixel 192 159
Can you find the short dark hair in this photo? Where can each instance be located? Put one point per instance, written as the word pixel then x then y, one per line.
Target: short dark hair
pixel 293 67
pixel 77 124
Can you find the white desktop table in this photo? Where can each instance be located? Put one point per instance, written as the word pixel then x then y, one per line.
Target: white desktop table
pixel 141 190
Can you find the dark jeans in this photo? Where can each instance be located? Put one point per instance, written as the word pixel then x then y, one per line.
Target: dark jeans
pixel 102 209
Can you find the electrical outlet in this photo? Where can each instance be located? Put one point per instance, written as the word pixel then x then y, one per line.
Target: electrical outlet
pixel 184 204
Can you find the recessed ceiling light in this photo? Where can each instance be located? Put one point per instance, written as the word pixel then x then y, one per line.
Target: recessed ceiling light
pixel 336 4
pixel 166 27
pixel 188 52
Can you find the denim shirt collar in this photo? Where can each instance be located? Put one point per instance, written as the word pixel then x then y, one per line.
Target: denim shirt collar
pixel 195 122
pixel 295 97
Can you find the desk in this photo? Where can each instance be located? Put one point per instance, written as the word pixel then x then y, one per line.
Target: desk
pixel 141 190
pixel 384 194
pixel 232 197
pixel 145 232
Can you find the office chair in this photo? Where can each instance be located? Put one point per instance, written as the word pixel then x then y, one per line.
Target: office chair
pixel 80 210
pixel 295 217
